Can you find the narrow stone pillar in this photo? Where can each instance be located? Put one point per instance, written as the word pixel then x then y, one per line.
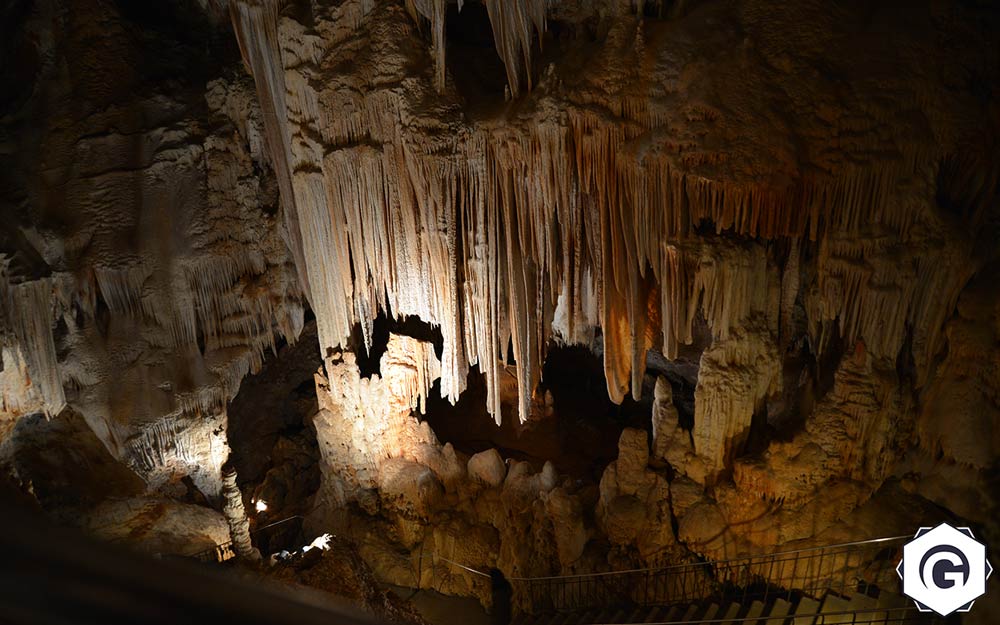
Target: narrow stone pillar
pixel 236 515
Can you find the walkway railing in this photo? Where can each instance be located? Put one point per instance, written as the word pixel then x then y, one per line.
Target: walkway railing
pixel 865 567
pixel 224 551
pixel 844 569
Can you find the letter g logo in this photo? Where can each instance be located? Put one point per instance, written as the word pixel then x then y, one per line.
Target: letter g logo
pixel 944 569
pixel 948 566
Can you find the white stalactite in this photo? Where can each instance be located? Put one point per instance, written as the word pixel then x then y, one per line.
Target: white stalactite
pixel 512 234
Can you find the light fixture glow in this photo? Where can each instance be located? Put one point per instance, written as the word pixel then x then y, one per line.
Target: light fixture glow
pixel 320 542
pixel 261 505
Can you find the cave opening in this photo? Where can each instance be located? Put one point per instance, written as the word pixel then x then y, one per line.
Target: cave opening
pixel 273 446
pixel 478 71
pixel 383 326
pixel 573 422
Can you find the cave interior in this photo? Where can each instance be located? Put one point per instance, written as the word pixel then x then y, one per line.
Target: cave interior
pixel 441 308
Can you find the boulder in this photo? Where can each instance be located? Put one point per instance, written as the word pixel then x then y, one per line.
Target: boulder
pixel 488 468
pixel 409 487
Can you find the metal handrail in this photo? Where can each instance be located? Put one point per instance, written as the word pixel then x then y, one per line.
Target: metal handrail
pixel 858 617
pixel 212 554
pixel 769 556
pixel 845 568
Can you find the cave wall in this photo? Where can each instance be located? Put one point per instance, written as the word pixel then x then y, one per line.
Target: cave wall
pixel 144 271
pixel 792 208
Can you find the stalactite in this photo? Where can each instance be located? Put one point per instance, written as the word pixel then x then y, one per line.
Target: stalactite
pixel 732 283
pixel 256 23
pixel 434 11
pixel 514 26
pixel 790 278
pixel 158 443
pixel 877 299
pixel 410 367
pixel 547 226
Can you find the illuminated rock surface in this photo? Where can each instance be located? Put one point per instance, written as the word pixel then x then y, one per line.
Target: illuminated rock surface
pixel 774 226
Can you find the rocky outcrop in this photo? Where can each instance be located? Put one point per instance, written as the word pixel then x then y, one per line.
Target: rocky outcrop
pixel 339 570
pixel 157 526
pixel 635 158
pixel 236 516
pixel 634 505
pixel 144 274
pixel 741 186
pixel 390 485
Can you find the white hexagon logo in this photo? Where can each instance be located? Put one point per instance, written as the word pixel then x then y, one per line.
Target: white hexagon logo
pixel 944 569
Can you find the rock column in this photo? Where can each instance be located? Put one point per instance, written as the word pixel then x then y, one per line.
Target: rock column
pixel 236 516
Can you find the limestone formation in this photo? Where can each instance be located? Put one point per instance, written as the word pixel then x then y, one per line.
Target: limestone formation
pixel 236 516
pixel 634 506
pixel 773 225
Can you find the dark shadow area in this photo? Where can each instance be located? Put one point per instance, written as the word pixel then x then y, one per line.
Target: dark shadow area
pixel 573 422
pixel 473 62
pixel 368 357
pixel 273 445
pixel 53 575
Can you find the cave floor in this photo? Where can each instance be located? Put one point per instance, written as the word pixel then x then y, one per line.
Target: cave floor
pixel 441 609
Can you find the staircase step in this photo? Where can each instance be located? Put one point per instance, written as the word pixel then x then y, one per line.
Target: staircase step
pixel 562 618
pixel 653 615
pixel 868 608
pixel 862 601
pixel 756 610
pixel 806 611
pixel 672 615
pixel 732 611
pixel 712 612
pixel 690 613
pixel 572 618
pixel 891 600
pixel 778 613
pixel 833 604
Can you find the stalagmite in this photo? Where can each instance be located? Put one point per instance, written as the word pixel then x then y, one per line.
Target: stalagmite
pixel 735 375
pixel 236 516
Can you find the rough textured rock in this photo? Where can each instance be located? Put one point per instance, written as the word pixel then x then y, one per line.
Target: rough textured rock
pixel 488 467
pixel 236 516
pixel 340 571
pixel 791 211
pixel 629 169
pixel 634 504
pixel 158 526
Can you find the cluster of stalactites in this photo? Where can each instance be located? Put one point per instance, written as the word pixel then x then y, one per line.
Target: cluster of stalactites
pixel 515 25
pixel 206 301
pixel 498 232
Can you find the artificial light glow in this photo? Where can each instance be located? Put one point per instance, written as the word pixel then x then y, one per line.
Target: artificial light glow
pixel 261 505
pixel 321 542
